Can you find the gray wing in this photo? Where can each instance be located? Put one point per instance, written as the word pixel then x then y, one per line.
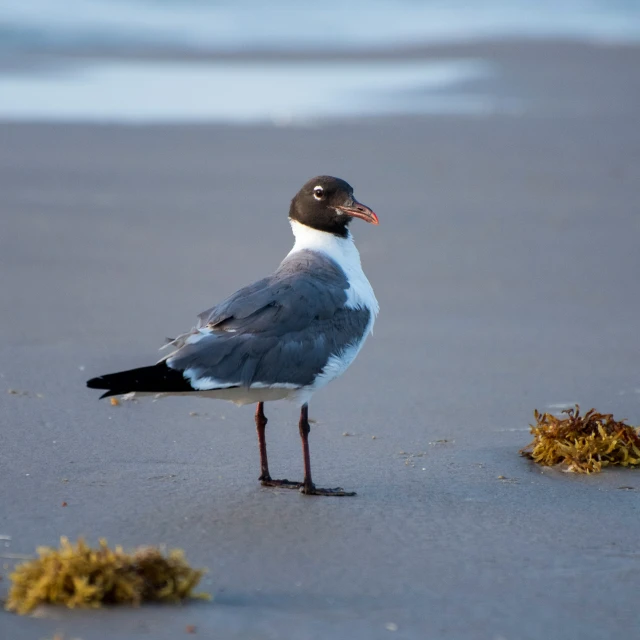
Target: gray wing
pixel 280 330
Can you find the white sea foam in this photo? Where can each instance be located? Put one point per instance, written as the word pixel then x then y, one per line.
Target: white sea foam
pixel 239 92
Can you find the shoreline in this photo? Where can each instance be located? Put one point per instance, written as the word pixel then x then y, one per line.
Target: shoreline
pixel 513 78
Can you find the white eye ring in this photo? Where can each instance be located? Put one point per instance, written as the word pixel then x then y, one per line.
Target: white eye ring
pixel 318 193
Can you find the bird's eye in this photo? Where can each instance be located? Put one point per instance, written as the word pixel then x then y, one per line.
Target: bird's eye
pixel 318 193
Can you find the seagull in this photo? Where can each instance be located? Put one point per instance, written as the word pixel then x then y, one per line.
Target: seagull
pixel 283 337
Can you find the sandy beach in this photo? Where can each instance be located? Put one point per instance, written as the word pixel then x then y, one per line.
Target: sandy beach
pixel 506 265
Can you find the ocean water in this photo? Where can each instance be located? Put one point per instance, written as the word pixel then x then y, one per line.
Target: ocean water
pixel 292 25
pixel 86 60
pixel 240 93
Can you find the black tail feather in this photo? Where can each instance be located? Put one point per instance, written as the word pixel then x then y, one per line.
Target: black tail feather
pixel 155 379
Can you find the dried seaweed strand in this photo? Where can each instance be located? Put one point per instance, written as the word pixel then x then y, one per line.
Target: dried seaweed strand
pixel 584 443
pixel 81 576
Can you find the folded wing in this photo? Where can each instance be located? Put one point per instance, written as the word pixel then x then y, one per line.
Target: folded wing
pixel 279 331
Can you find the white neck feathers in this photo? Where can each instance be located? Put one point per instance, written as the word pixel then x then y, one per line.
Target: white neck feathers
pixel 343 252
pixel 340 249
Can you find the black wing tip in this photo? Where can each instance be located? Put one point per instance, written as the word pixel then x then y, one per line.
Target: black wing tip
pixel 100 383
pixel 157 378
pixel 97 383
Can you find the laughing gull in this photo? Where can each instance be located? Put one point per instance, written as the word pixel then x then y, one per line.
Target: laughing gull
pixel 283 337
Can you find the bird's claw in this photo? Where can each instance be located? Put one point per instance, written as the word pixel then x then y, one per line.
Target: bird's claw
pixel 312 490
pixel 284 484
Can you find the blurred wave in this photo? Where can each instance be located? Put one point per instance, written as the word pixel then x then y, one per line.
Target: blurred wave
pixel 277 93
pixel 105 78
pixel 284 25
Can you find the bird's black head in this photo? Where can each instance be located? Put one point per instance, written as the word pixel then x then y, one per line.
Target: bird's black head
pixel 327 204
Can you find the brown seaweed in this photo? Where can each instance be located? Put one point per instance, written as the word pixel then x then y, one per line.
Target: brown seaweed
pixel 584 443
pixel 81 576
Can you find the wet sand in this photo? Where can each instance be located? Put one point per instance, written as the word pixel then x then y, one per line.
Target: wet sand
pixel 506 265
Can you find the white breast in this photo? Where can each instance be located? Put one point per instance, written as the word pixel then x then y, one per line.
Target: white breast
pixel 342 251
pixel 359 295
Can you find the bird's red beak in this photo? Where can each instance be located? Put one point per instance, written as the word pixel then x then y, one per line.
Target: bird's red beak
pixel 357 210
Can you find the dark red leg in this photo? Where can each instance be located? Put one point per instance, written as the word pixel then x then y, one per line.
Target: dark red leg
pixel 305 429
pixel 308 487
pixel 261 423
pixel 265 476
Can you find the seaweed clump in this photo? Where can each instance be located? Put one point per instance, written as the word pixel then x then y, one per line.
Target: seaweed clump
pixel 585 443
pixel 81 576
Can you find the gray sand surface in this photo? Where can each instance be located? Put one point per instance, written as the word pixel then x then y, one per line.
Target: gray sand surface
pixel 506 265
